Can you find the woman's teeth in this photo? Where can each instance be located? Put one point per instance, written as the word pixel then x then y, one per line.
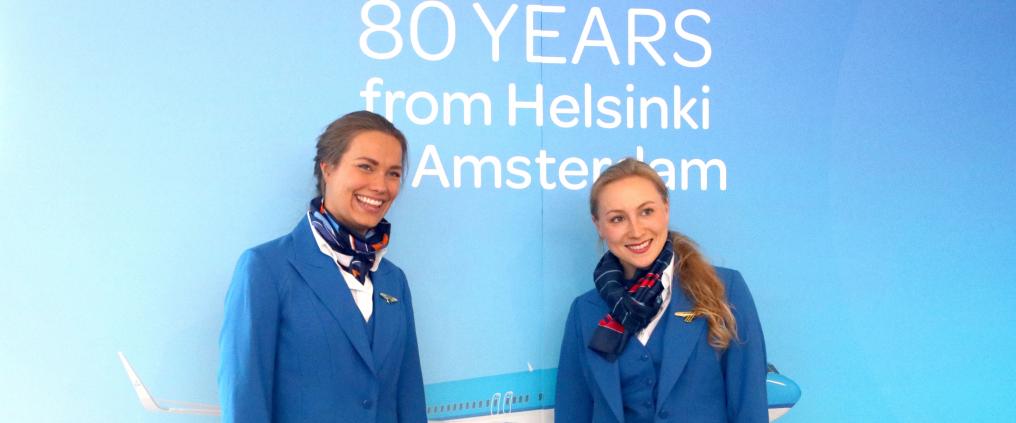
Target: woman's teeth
pixel 369 201
pixel 640 247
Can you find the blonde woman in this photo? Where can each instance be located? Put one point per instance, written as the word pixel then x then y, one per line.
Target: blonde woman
pixel 664 336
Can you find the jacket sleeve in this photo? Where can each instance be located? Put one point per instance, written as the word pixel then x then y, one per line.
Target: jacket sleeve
pixel 411 402
pixel 574 401
pixel 247 343
pixel 744 362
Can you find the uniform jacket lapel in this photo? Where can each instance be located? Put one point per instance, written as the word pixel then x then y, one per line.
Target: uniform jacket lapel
pixel 321 274
pixel 606 374
pixel 679 340
pixel 388 320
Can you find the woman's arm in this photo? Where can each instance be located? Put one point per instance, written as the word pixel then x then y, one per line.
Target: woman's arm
pixel 247 343
pixel 574 402
pixel 744 362
pixel 411 403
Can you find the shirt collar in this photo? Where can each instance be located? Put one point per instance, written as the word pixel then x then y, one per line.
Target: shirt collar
pixel 667 277
pixel 342 259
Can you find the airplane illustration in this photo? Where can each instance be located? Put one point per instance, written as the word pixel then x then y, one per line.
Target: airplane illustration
pixel 520 397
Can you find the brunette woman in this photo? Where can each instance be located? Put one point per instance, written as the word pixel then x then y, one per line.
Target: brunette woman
pixel 318 324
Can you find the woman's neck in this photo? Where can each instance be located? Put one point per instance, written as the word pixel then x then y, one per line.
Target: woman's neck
pixel 351 228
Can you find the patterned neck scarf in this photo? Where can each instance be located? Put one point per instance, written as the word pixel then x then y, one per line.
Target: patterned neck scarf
pixel 356 253
pixel 633 303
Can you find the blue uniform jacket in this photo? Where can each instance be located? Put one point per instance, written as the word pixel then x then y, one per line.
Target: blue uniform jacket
pixel 696 383
pixel 294 346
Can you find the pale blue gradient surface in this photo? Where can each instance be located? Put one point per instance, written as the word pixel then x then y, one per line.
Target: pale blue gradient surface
pixel 869 205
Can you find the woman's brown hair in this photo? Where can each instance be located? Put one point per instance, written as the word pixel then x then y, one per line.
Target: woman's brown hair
pixel 698 278
pixel 335 140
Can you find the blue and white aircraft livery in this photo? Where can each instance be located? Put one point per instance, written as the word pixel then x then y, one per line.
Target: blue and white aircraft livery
pixel 521 397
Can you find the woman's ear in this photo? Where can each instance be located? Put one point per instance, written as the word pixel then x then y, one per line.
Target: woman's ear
pixel 596 224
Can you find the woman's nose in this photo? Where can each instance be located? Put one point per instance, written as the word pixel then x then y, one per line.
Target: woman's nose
pixel 635 228
pixel 377 182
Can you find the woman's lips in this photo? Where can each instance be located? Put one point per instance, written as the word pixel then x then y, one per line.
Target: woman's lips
pixel 639 248
pixel 370 204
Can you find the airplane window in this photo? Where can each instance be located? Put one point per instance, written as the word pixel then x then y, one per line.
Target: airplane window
pixel 539 397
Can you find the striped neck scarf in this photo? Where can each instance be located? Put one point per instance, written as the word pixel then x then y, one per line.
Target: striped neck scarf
pixel 633 303
pixel 356 253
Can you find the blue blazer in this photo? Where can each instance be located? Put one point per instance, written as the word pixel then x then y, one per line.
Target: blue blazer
pixel 696 383
pixel 294 346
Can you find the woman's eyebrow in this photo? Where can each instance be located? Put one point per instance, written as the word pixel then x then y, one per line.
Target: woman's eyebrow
pixel 370 160
pixel 622 211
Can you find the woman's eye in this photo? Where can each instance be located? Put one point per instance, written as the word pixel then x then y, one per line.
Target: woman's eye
pixel 395 174
pixel 365 166
pixel 647 212
pixel 617 219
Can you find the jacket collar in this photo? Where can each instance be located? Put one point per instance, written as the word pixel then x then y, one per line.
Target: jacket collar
pixel 679 340
pixel 321 275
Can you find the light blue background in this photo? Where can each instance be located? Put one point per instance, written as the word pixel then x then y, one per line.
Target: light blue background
pixel 869 205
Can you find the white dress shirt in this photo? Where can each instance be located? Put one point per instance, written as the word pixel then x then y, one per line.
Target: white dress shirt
pixel 362 293
pixel 665 279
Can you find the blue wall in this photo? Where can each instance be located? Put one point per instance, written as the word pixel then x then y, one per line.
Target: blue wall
pixel 868 146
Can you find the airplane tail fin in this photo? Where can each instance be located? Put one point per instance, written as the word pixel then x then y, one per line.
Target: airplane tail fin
pixel 151 404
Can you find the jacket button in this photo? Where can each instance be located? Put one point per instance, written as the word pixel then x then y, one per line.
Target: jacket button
pixel 367 403
pixel 645 357
pixel 649 381
pixel 664 414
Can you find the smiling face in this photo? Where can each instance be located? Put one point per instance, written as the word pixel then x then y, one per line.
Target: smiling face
pixel 633 219
pixel 361 187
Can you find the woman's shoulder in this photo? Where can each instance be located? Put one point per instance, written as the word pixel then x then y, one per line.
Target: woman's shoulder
pixel 737 289
pixel 268 257
pixel 728 276
pixel 590 298
pixel 387 267
pixel 274 246
pixel 281 247
pixel 270 251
